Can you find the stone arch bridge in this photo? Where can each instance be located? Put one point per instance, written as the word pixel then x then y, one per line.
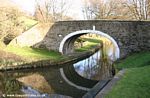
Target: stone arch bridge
pixel 128 36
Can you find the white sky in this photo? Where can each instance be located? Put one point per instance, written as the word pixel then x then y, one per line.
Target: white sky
pixel 75 8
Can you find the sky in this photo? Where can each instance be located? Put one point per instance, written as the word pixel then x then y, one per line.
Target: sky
pixel 74 9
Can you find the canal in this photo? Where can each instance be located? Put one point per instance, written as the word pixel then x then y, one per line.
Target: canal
pixel 72 80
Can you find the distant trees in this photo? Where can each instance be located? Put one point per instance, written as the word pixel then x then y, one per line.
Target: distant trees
pixel 101 9
pixel 116 9
pixel 52 10
pixel 140 9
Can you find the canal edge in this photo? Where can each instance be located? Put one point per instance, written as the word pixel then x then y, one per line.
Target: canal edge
pixel 48 63
pixel 112 83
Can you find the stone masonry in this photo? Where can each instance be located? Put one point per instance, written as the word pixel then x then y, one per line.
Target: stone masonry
pixel 131 36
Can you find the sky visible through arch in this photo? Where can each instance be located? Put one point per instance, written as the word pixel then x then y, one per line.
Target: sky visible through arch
pixel 75 9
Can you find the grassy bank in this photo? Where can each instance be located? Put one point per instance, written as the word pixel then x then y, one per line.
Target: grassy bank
pixel 12 56
pixel 28 22
pixel 135 60
pixel 33 53
pixel 88 44
pixel 136 81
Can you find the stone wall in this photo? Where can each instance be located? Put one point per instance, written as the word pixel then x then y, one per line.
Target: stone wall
pixel 131 36
pixel 32 36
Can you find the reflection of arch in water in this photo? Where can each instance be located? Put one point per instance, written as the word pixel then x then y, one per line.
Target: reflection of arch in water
pixel 67 44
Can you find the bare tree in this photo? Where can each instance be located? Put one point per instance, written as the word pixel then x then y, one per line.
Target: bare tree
pixel 42 12
pixel 139 9
pixel 100 9
pixel 87 10
pixel 91 8
pixel 53 10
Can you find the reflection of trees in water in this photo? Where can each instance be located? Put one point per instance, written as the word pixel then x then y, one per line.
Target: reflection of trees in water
pixel 105 68
pixel 43 80
pixel 9 84
pixel 100 65
pixel 91 67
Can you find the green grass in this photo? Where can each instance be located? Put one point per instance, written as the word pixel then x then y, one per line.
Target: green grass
pixel 135 60
pixel 34 54
pixel 136 81
pixel 134 84
pixel 85 48
pixel 91 40
pixel 90 43
pixel 28 22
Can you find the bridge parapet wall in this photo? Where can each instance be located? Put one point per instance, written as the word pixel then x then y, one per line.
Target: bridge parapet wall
pixel 131 36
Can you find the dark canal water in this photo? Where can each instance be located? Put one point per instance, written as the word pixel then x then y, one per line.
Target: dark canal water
pixel 73 80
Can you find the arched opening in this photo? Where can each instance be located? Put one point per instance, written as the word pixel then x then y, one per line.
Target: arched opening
pixel 67 44
pixel 90 67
